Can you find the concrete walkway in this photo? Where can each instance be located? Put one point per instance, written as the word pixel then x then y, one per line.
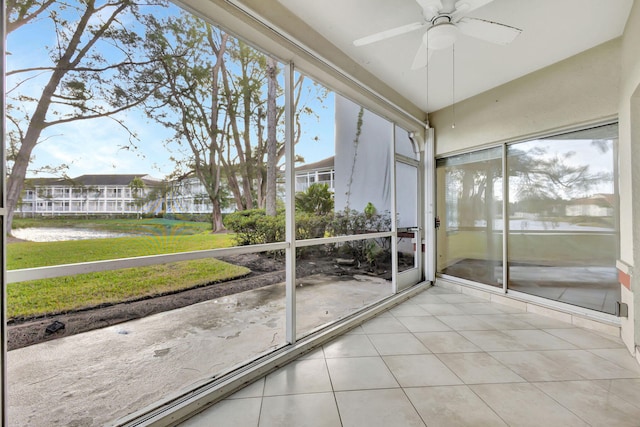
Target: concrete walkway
pixel 99 376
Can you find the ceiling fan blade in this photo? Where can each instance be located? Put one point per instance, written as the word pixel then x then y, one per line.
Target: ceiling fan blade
pixel 389 33
pixel 430 8
pixel 466 6
pixel 488 31
pixel 422 57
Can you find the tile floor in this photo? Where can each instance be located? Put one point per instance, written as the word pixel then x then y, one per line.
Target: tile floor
pixel 446 359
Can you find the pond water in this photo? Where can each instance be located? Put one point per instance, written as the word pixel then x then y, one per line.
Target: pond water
pixel 53 234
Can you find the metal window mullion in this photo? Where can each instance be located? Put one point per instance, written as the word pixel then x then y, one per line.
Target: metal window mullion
pixel 394 221
pixel 290 251
pixel 505 220
pixel 3 213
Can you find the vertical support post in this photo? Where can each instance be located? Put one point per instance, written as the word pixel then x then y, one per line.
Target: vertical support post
pixel 394 217
pixel 429 182
pixel 505 220
pixel 290 176
pixel 3 215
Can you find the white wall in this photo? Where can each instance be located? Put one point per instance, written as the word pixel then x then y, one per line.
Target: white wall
pixel 579 90
pixel 365 175
pixel 629 179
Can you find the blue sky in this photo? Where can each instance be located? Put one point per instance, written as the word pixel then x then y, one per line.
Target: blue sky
pixel 97 146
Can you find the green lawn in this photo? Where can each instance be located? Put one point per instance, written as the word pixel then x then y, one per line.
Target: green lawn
pixel 62 294
pixel 153 226
pixel 36 254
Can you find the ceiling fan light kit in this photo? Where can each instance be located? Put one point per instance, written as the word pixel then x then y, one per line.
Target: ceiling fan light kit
pixel 440 36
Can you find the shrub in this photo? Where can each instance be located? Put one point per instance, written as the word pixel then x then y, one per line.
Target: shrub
pixel 253 227
pixel 317 199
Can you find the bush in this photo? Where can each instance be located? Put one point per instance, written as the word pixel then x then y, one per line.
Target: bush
pixel 317 199
pixel 350 221
pixel 254 227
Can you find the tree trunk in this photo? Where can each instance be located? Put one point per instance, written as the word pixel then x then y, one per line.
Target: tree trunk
pixel 271 137
pixel 216 216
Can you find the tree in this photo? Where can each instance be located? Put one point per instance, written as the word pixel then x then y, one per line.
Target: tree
pixel 137 188
pixel 192 62
pixel 96 71
pixel 225 126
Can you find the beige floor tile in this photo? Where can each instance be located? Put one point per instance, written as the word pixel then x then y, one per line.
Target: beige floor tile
pixel 441 290
pixel 586 339
pixel 358 373
pixel 420 371
pixel 300 410
pixel 480 308
pixel 317 353
pixel 423 324
pixel 524 405
pixel 535 339
pixel 493 340
pixel 377 408
pixel 533 366
pixel 460 298
pixel 407 309
pixel 228 413
pixel 442 309
pixel 254 389
pixel 446 342
pixel 628 390
pixel 541 321
pixel 479 368
pixel 383 325
pixel 619 356
pixel 465 322
pixel 350 346
pixel 591 403
pixel 301 376
pixel 393 344
pixel 452 406
pixel 589 365
pixel 426 298
pixel 503 321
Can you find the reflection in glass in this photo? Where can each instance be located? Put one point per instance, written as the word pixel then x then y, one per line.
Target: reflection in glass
pixel 469 240
pixel 407 218
pixel 562 208
pixel 336 280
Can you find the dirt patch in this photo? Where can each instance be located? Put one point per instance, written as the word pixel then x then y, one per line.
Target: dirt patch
pixel 265 270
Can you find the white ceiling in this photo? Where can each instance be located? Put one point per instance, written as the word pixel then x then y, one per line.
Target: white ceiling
pixel 552 30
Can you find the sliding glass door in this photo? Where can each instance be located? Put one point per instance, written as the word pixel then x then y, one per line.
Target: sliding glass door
pixel 561 205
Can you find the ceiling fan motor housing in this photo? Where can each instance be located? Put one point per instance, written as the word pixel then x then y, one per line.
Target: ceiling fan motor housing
pixel 441 35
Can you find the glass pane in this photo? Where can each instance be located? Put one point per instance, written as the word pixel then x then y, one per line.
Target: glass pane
pixel 563 241
pixel 165 126
pixel 469 205
pixel 334 281
pixel 363 161
pixel 407 217
pixel 342 189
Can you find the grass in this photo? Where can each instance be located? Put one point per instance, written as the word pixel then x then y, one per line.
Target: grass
pixel 62 294
pixel 38 254
pixel 153 226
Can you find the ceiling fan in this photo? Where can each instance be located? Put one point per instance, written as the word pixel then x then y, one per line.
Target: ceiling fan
pixel 444 20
